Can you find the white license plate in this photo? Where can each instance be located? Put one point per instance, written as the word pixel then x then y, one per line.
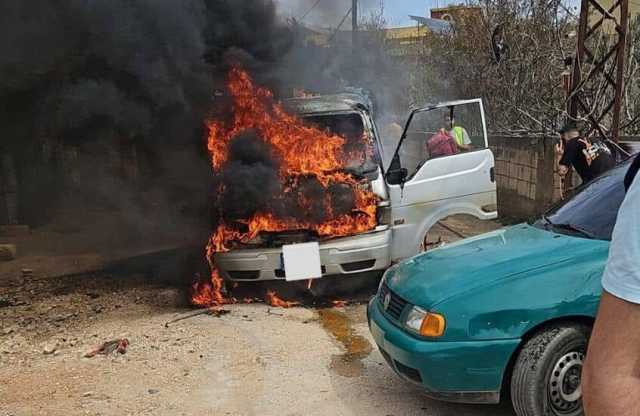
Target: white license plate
pixel 301 261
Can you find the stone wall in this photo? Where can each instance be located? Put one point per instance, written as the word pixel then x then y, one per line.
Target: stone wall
pixel 525 175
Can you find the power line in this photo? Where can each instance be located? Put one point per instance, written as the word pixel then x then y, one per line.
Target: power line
pixel 340 25
pixel 309 11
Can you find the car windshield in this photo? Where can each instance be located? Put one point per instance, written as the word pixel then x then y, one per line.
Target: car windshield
pixel 359 146
pixel 592 211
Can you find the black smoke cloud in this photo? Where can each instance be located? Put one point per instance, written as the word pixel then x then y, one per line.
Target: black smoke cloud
pixel 250 178
pixel 102 74
pixel 98 75
pixel 137 66
pixel 249 183
pixel 326 13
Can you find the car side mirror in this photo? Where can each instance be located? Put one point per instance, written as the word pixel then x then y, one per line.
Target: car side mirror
pixel 397 176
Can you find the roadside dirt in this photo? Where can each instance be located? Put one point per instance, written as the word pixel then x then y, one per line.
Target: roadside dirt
pixel 255 360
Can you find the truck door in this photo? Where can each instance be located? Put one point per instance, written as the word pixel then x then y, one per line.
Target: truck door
pixel 429 180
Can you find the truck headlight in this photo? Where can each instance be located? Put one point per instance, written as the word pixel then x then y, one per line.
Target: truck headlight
pixel 427 324
pixel 383 214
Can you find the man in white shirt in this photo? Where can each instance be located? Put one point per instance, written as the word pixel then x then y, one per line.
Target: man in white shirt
pixel 611 377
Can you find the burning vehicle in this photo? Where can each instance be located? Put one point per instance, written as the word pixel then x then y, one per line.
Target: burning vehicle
pixel 309 172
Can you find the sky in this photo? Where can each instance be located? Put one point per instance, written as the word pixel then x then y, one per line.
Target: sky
pixel 330 12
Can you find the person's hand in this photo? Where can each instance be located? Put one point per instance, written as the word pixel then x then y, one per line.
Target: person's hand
pixel 586 143
pixel 559 148
pixel 563 170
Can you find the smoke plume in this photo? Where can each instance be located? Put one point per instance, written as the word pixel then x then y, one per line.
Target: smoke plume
pixel 81 80
pixel 90 88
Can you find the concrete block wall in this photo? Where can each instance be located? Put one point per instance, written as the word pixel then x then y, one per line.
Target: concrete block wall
pixel 525 175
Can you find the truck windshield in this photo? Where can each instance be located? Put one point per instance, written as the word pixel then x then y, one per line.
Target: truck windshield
pixel 592 211
pixel 360 148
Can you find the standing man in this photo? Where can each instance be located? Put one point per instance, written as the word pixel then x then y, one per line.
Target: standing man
pixel 611 375
pixel 459 133
pixel 441 144
pixel 588 158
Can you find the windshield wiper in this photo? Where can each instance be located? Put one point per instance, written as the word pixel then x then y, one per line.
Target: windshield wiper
pixel 573 228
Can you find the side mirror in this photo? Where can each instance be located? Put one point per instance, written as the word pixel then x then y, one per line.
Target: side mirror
pixel 397 176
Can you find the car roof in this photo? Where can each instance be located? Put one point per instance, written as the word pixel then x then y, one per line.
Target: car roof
pixel 328 103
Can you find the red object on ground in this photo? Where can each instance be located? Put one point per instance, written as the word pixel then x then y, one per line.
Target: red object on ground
pixel 119 345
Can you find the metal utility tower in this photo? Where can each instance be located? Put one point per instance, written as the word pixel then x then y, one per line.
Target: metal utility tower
pixel 592 67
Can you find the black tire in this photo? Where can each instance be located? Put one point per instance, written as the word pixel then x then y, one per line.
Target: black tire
pixel 546 378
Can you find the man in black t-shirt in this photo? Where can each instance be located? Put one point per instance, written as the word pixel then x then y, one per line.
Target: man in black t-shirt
pixel 588 158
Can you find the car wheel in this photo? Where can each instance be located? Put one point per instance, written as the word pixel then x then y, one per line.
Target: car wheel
pixel 547 375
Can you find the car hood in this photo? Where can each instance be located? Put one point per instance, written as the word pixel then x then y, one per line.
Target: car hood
pixel 431 278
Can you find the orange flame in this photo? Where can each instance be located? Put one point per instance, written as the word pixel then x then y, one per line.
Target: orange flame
pixel 303 151
pixel 210 293
pixel 273 300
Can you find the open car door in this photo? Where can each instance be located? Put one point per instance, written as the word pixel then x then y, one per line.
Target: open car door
pixel 442 166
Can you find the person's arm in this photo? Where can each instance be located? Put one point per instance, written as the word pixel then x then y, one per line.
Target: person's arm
pixel 587 151
pixel 611 377
pixel 561 169
pixel 453 143
pixel 566 157
pixel 466 141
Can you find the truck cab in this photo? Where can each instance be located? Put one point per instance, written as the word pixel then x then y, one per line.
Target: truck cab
pixel 415 191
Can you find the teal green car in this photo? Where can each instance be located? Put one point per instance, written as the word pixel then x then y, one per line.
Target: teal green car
pixel 504 314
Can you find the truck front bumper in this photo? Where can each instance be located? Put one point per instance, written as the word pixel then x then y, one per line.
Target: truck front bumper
pixel 461 372
pixel 341 256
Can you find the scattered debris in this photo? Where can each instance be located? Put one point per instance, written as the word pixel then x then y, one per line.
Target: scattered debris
pixel 87 394
pixel 49 349
pixel 452 230
pixel 274 300
pixel 214 311
pixel 153 391
pixel 274 313
pixel 7 252
pixel 120 345
pixel 5 303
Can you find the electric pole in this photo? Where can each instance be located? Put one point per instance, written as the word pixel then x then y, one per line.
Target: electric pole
pixel 354 22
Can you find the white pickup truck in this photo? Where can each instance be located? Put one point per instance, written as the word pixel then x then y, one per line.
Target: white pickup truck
pixel 415 191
